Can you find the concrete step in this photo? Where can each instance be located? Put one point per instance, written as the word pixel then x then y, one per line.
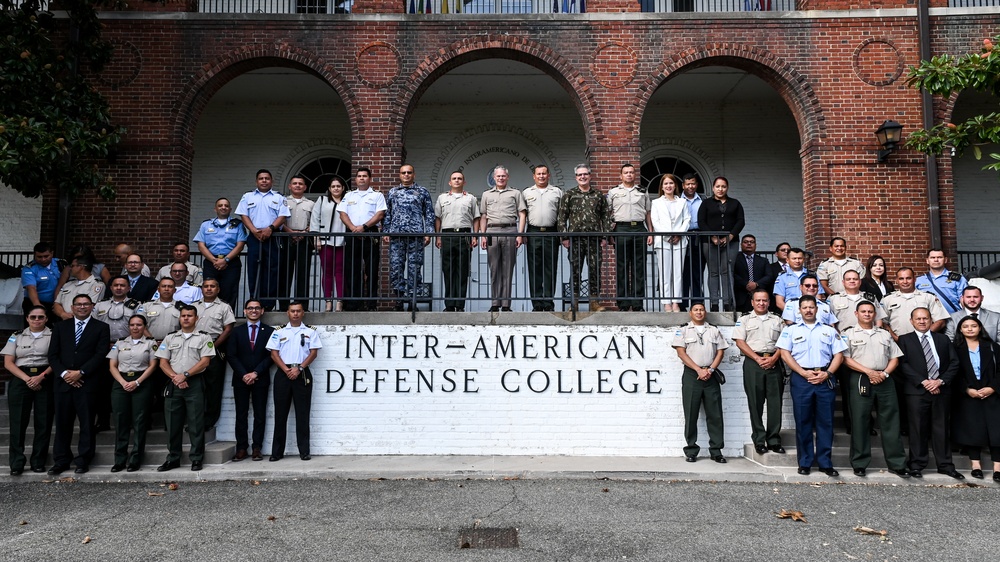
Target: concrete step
pixel 217 452
pixel 155 436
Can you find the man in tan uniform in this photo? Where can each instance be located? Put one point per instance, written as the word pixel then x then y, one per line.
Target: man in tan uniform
pixel 756 334
pixel 542 200
pixel 83 282
pixel 215 318
pixel 700 347
pixel 629 216
pixel 502 212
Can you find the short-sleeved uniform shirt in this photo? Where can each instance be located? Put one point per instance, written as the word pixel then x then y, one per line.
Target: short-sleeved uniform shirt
pixel 361 206
pixel 824 313
pixel 543 205
pixel 628 204
pixel 184 352
pixel 220 236
pixel 502 206
pixel 872 348
pixel 787 285
pixel 44 279
pixel 832 271
pixel 161 318
pixel 213 317
pixel 28 349
pixel 811 345
pixel 761 332
pixel 700 345
pixel 90 286
pixel 899 305
pixel 844 305
pixel 133 356
pixel 115 314
pixel 300 211
pixel 456 210
pixel 294 343
pixel 950 284
pixel 195 274
pixel 262 207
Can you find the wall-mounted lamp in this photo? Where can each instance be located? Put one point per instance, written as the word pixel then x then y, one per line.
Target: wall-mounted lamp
pixel 888 136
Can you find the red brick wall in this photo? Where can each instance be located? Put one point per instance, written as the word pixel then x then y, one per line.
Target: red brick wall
pixel 840 77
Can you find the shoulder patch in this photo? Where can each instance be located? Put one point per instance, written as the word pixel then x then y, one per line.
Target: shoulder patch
pixel 954 276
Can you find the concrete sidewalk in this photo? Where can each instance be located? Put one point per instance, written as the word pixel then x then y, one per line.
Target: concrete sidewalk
pixel 493 467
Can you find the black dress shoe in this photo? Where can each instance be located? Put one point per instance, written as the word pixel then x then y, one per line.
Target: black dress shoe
pixel 804 470
pixel 132 468
pixel 58 469
pixel 16 471
pixel 494 309
pixel 859 472
pixel 275 458
pixel 777 449
pixel 719 459
pixel 118 467
pixel 761 449
pixel 195 466
pixel 830 471
pixel 996 476
pixel 306 457
pixel 638 309
pixel 691 459
pixel 902 473
pixel 953 473
pixel 81 470
pixel 169 465
pixel 38 469
pixel 977 473
pixel 916 474
pixel 505 309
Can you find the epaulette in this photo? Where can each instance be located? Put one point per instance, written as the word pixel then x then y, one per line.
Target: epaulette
pixel 209 220
pixel 235 222
pixel 132 303
pixel 954 276
pixel 870 297
pixel 310 326
pixel 204 332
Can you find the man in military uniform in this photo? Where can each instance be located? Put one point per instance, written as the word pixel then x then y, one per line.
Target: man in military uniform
pixel 629 206
pixel 181 254
pixel 542 201
pixel 184 355
pixel 905 299
pixel 831 272
pixel 296 252
pixel 940 282
pixel 700 346
pixel 361 211
pixel 584 209
pixel 221 240
pixel 215 318
pixel 294 347
pixel 813 351
pixel 456 211
pixel 39 278
pixel 972 305
pixel 786 286
pixel 870 358
pixel 756 334
pixel 114 312
pixel 183 291
pixel 263 212
pixel 808 286
pixel 502 212
pixel 162 314
pixel 409 220
pixel 82 282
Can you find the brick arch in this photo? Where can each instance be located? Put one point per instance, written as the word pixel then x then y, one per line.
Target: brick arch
pixel 217 73
pixel 779 74
pixel 520 49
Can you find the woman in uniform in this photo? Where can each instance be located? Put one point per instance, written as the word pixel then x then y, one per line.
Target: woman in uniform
pixel 132 363
pixel 325 219
pixel 26 358
pixel 976 412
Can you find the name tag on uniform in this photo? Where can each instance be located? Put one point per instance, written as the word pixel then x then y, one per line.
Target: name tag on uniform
pixel 799 339
pixel 209 230
pixel 857 342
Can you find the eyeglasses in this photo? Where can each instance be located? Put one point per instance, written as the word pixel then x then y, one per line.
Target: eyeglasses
pixel 810 286
pixel 255 308
pixel 406 173
pixel 783 249
pixel 36 317
pixel 84 304
pixel 583 174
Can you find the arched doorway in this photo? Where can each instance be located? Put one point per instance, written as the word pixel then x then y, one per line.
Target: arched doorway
pixel 489 112
pixel 976 191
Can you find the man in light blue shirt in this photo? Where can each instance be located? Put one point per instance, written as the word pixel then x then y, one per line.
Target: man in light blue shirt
pixel 39 279
pixel 941 283
pixel 263 212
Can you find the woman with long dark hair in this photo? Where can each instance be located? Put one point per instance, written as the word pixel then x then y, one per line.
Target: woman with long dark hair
pixel 876 280
pixel 976 412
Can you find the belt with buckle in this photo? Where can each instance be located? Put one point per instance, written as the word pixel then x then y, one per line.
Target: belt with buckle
pixel 498 225
pixel 631 223
pixel 766 354
pixel 34 370
pixel 532 228
pixel 456 230
pixel 131 374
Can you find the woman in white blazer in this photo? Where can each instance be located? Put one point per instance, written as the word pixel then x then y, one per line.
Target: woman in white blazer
pixel 669 213
pixel 325 219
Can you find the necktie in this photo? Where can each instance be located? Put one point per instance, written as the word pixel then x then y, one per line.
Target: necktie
pixel 132 281
pixel 932 366
pixel 750 266
pixel 79 330
pixel 975 315
pixel 253 335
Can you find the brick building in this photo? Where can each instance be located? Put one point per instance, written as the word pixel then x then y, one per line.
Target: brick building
pixel 783 102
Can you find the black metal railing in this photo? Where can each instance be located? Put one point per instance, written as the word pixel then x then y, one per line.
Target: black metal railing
pixel 970 262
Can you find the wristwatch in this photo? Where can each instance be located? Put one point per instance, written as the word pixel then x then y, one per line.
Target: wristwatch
pixel 186 374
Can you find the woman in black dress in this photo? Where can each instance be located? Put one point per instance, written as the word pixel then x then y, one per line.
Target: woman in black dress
pixel 976 412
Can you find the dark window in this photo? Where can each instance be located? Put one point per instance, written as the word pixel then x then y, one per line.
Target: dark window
pixel 320 172
pixel 310 6
pixel 651 171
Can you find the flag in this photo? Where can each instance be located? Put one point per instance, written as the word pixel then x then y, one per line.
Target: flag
pixel 413 7
pixel 444 6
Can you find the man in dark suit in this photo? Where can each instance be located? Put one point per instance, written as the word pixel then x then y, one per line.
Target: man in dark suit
pixel 142 288
pixel 251 362
pixel 78 347
pixel 750 272
pixel 929 365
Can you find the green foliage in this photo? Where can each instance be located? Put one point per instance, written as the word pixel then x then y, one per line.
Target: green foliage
pixel 54 125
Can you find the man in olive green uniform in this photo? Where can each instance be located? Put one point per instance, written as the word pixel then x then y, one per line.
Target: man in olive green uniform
pixel 542 201
pixel 456 211
pixel 114 312
pixel 184 356
pixel 583 209
pixel 215 318
pixel 630 213
pixel 756 334
pixel 871 357
pixel 700 347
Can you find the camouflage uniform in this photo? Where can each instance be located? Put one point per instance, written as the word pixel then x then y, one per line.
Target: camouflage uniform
pixel 584 211
pixel 408 210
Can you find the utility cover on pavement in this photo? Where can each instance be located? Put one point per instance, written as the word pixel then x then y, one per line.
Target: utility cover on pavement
pixel 488 538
